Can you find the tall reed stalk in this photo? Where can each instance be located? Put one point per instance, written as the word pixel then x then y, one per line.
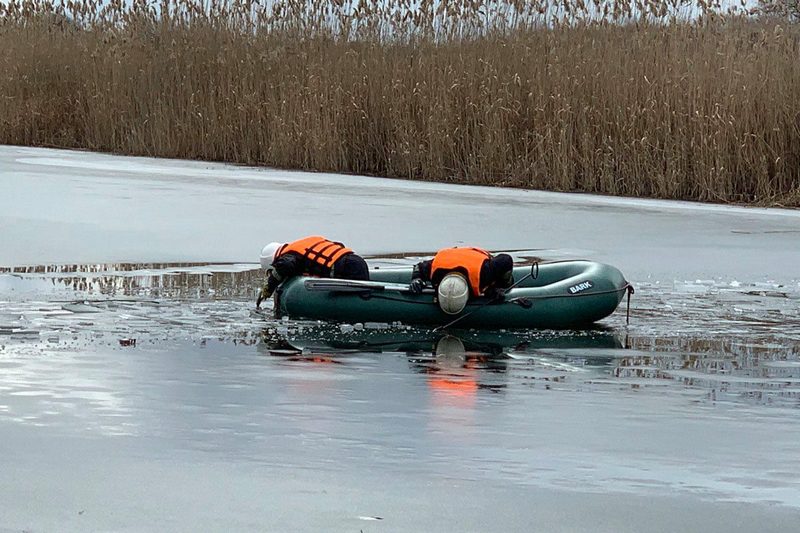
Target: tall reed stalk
pixel 644 98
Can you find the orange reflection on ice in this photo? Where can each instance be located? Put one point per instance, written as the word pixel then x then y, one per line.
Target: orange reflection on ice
pixel 453 386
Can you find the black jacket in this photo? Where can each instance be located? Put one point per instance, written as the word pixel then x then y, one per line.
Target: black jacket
pixel 290 264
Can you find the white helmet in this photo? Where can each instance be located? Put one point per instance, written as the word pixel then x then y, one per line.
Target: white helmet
pixel 453 293
pixel 268 254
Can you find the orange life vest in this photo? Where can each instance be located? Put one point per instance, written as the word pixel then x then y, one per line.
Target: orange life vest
pixel 465 260
pixel 317 249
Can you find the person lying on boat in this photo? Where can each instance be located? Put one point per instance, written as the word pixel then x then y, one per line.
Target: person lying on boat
pixel 460 273
pixel 314 256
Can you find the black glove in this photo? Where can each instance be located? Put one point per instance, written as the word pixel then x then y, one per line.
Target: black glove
pixel 263 295
pixel 417 285
pixel 270 284
pixel 496 294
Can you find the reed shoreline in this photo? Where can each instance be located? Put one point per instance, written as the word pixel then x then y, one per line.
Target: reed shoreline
pixel 706 109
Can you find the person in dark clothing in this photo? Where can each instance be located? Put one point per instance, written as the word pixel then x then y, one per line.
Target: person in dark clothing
pixel 313 256
pixel 485 274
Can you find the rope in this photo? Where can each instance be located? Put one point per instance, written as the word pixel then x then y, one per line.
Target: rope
pixel 631 291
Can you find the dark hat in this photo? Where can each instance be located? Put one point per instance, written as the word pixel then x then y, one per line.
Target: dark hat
pixel 502 263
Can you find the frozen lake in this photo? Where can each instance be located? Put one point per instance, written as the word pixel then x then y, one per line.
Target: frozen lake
pixel 223 418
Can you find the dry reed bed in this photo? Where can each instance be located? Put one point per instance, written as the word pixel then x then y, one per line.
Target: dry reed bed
pixel 616 104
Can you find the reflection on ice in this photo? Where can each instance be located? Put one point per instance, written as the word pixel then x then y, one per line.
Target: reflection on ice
pixel 725 370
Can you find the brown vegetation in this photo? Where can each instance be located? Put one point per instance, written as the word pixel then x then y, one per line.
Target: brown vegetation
pixel 618 97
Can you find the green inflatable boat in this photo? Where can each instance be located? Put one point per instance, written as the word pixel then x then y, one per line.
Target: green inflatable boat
pixel 560 294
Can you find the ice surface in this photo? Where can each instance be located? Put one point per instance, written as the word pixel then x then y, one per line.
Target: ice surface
pixel 220 418
pixel 63 206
